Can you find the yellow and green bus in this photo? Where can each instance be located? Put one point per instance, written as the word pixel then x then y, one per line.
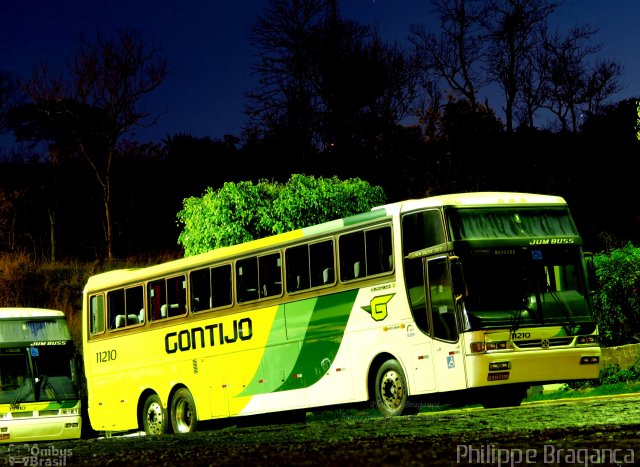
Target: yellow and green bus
pixel 39 383
pixel 472 297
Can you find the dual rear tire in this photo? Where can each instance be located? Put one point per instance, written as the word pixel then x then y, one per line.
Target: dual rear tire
pixel 181 417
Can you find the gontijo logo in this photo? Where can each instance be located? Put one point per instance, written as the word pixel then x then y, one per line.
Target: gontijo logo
pixel 378 307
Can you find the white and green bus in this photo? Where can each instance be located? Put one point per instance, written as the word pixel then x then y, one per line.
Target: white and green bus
pixel 472 297
pixel 39 384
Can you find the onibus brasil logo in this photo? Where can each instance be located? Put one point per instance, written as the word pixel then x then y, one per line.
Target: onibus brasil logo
pixel 377 308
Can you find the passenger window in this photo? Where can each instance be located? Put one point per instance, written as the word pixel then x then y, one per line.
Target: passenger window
pixel 96 310
pixel 167 298
pixel 379 250
pixel 247 279
pixel 421 230
pixel 200 281
pixel 322 263
pixel 270 275
pixel 352 259
pixel 125 307
pixel 210 288
pixel 365 253
pixel 297 261
pixel 221 286
pixel 310 265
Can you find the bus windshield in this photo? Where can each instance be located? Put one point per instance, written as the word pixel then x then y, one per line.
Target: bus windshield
pixel 542 285
pixel 35 374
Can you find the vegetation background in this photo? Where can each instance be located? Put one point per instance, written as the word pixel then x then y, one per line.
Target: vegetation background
pixel 79 195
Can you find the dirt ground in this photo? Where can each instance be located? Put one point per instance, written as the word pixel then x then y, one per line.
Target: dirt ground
pixel 603 431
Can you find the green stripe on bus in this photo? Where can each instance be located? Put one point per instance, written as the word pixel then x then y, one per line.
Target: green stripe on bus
pixel 364 217
pixel 299 363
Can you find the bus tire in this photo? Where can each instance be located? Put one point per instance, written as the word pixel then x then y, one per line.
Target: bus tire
pixel 154 416
pixel 184 417
pixel 391 390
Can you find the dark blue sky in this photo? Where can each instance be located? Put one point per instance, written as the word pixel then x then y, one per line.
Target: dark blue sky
pixel 205 44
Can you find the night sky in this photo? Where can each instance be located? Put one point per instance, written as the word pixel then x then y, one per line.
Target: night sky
pixel 205 44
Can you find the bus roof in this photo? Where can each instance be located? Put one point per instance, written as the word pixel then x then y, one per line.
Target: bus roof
pixel 125 276
pixel 26 312
pixel 477 199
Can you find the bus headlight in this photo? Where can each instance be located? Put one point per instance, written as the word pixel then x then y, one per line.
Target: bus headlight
pixel 479 347
pixel 73 411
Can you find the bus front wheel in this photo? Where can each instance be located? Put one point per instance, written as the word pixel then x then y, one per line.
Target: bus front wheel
pixel 391 390
pixel 183 412
pixel 154 416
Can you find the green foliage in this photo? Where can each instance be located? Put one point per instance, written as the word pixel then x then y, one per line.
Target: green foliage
pixel 610 375
pixel 239 212
pixel 617 302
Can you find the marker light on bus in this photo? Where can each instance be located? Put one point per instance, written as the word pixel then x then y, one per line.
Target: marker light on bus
pixel 594 360
pixel 591 339
pixel 479 347
pixel 496 366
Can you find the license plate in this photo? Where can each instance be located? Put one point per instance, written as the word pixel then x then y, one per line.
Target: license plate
pixel 498 376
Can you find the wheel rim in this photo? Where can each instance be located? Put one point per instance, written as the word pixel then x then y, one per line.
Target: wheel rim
pixel 154 418
pixel 392 390
pixel 184 416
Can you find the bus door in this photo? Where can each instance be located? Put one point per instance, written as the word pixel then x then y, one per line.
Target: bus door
pixel 448 354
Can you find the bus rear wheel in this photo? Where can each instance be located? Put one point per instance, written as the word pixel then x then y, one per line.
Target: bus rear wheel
pixel 391 390
pixel 154 416
pixel 184 417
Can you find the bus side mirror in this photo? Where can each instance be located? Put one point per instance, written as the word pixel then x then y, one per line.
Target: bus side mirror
pixel 457 278
pixel 592 277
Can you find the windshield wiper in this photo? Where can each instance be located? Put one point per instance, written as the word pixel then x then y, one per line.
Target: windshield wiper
pixel 19 397
pixel 567 313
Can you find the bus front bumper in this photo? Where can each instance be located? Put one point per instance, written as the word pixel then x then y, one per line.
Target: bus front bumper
pixel 533 367
pixel 18 430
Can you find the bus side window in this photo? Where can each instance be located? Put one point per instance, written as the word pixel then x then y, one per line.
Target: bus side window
pixel 200 282
pixel 221 286
pixel 421 230
pixel 157 300
pixel 176 296
pixel 270 275
pixel 96 310
pixel 351 254
pixel 134 305
pixel 297 267
pixel 247 279
pixel 116 308
pixel 322 263
pixel 378 249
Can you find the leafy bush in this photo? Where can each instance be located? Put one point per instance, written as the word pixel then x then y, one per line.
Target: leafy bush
pixel 239 212
pixel 611 374
pixel 617 302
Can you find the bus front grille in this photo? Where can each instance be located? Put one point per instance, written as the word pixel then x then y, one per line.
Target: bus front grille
pixel 543 343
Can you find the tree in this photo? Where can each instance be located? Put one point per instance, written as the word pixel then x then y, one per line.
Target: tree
pixel 88 112
pixel 513 30
pixel 328 86
pixel 572 84
pixel 455 56
pixel 239 212
pixel 9 96
pixel 284 37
